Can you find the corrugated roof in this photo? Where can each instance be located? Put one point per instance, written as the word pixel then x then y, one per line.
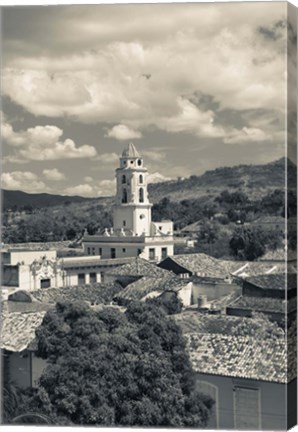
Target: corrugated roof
pixel 274 281
pixel 239 356
pixel 18 329
pixel 139 267
pixel 142 287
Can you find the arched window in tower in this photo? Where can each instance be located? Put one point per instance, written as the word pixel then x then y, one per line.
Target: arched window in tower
pixel 141 195
pixel 140 178
pixel 123 179
pixel 124 195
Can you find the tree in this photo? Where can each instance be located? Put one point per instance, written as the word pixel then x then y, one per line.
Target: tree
pixel 247 243
pixel 114 368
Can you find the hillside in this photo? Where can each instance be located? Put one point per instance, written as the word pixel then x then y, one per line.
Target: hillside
pixel 15 198
pixel 255 180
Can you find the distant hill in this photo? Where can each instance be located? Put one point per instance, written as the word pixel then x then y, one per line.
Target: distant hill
pixel 255 180
pixel 13 198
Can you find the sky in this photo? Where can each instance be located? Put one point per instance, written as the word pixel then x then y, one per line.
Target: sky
pixel 193 86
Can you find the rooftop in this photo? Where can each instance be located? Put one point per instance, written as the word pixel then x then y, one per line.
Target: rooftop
pixel 139 267
pixel 239 356
pixel 130 151
pixel 91 262
pixel 97 293
pixel 18 329
pixel 146 285
pixel 264 304
pixel 274 281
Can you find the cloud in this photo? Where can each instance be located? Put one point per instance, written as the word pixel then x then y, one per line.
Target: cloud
pixel 156 177
pixel 122 132
pixel 41 143
pixel 89 76
pixel 107 157
pixel 22 180
pixel 81 189
pixel 53 174
pixel 247 135
pixel 93 188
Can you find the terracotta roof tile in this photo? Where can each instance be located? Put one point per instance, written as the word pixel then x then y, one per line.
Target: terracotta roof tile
pixel 139 267
pixel 142 287
pixel 274 281
pixel 18 329
pixel 239 356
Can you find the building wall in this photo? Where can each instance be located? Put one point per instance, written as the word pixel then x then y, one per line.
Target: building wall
pixel 213 291
pixel 185 294
pixel 24 368
pixel 27 257
pixel 272 401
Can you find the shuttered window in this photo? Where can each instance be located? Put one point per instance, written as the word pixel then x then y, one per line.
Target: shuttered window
pixel 212 391
pixel 247 412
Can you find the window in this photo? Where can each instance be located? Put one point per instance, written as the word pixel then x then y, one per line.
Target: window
pixel 164 252
pixel 45 283
pixel 88 251
pixel 141 195
pixel 113 253
pixel 81 278
pixel 124 223
pixel 160 228
pixel 102 277
pixel 141 178
pixel 152 253
pixel 139 251
pixel 124 196
pixel 139 162
pixel 93 251
pixel 99 251
pixel 212 391
pixel 123 250
pixel 92 278
pixel 247 410
pixel 131 162
pixel 123 179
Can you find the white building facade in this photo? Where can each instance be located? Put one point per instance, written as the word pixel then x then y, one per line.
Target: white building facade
pixel 133 233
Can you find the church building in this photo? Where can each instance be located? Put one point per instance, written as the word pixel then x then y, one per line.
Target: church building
pixel 133 233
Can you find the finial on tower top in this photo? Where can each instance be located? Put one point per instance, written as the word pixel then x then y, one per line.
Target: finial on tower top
pixel 130 151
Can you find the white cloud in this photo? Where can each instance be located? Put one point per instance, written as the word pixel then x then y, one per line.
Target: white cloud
pixel 43 143
pixel 156 177
pixel 22 180
pixel 82 189
pixel 247 135
pixel 53 174
pixel 107 157
pixel 93 189
pixel 216 49
pixel 122 133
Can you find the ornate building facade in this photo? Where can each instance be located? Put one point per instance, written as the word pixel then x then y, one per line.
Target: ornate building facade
pixel 133 233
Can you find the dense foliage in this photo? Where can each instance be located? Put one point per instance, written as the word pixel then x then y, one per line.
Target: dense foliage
pixel 114 368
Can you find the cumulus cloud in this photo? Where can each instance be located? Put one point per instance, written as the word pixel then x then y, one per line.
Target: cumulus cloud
pixel 92 188
pixel 53 174
pixel 247 135
pixel 156 177
pixel 81 189
pixel 22 180
pixel 122 133
pixel 107 158
pixel 217 49
pixel 43 143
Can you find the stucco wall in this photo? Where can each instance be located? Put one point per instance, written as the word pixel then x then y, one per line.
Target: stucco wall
pixel 272 396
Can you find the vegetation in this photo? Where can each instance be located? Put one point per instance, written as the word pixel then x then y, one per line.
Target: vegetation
pixel 111 368
pixel 218 203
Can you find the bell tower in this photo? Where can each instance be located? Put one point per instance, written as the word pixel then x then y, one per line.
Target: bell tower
pixel 132 211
